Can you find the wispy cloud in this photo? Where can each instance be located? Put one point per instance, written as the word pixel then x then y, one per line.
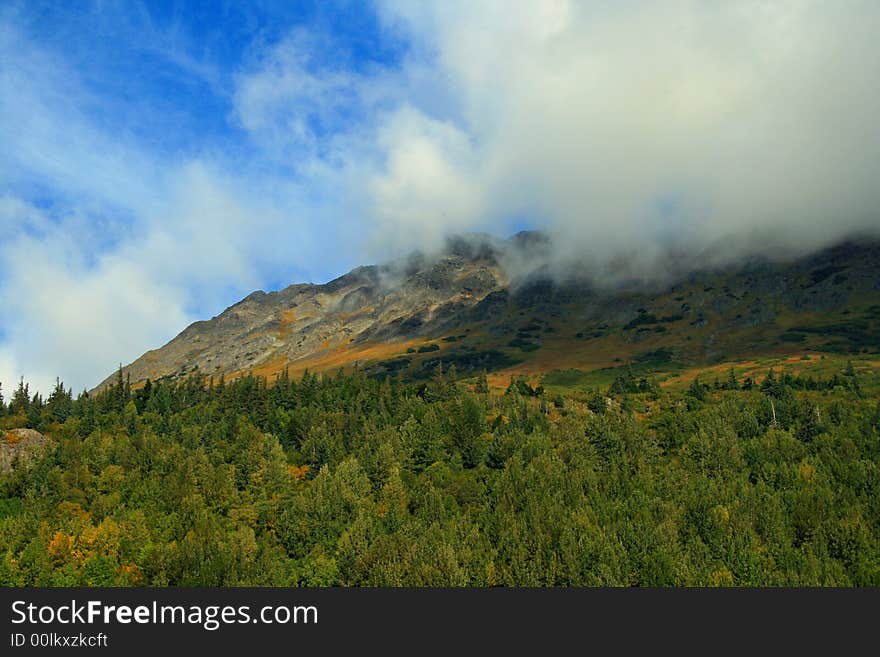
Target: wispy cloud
pixel 112 246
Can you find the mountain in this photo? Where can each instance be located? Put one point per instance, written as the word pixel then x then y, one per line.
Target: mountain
pixel 488 304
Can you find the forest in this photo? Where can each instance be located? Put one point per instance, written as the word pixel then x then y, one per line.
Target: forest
pixel 353 480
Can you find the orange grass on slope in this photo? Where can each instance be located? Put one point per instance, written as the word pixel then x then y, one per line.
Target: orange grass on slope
pixel 342 356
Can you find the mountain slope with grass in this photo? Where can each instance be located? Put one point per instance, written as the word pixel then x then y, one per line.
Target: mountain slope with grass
pixel 477 307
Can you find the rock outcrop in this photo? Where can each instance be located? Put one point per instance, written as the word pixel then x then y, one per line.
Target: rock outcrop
pixel 19 447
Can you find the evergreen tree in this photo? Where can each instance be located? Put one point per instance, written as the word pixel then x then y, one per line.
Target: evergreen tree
pixel 770 385
pixel 732 383
pixel 20 399
pixel 852 379
pixel 596 402
pixel 698 390
pixel 60 403
pixel 34 413
pixel 624 383
pixel 482 385
pixel 142 396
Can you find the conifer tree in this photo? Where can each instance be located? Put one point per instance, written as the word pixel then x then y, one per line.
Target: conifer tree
pixel 697 390
pixel 34 413
pixel 60 402
pixel 732 383
pixel 482 386
pixel 20 399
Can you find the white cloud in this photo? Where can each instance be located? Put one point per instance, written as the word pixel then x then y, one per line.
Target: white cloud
pixel 624 127
pixel 76 311
pixel 755 117
pixel 132 245
pixel 66 317
pixel 285 92
pixel 426 184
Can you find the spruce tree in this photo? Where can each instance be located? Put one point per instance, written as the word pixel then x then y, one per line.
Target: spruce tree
pixel 60 403
pixel 20 399
pixel 482 386
pixel 34 413
pixel 732 383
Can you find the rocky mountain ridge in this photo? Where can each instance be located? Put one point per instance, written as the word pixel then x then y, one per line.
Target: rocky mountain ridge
pixel 469 307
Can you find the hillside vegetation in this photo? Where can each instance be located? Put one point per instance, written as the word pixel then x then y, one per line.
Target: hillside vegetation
pixel 348 479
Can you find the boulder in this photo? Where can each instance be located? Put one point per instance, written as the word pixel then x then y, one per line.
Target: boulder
pixel 19 447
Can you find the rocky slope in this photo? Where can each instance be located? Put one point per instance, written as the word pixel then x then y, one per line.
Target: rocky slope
pixel 472 306
pixel 19 447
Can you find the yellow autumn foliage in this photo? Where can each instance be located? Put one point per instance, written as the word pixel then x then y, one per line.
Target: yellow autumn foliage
pixel 722 577
pixel 60 546
pixel 298 472
pixel 806 471
pixel 73 510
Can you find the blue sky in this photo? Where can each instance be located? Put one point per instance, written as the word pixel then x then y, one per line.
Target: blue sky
pixel 163 159
pixel 164 71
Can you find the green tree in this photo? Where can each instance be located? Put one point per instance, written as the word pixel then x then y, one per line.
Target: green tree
pixel 698 390
pixel 60 403
pixel 732 383
pixel 596 402
pixel 21 400
pixel 34 413
pixel 467 429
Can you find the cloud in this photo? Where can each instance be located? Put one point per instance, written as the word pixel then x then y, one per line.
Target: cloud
pixel 62 316
pixel 49 140
pixel 423 192
pixel 77 311
pixel 627 129
pixel 110 247
pixel 292 99
pixel 638 125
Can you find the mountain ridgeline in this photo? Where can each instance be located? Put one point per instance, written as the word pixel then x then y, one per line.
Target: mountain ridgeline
pixel 492 305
